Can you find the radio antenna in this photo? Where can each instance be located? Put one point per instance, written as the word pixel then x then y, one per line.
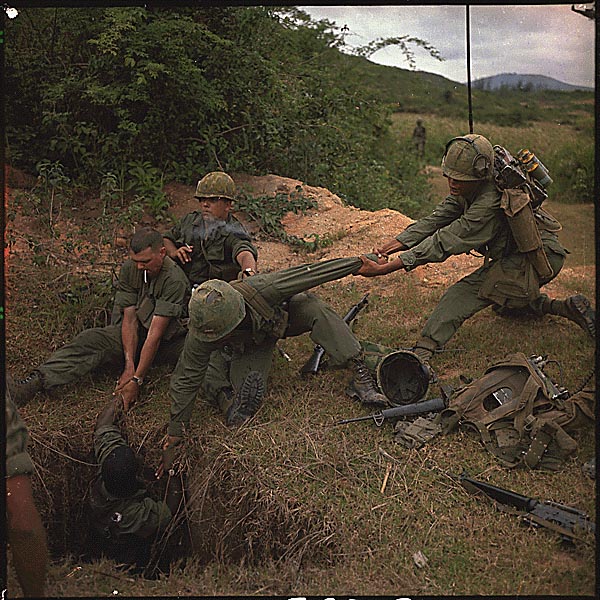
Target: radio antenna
pixel 468 32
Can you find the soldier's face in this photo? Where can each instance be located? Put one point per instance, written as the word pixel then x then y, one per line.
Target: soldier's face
pixel 215 208
pixel 149 260
pixel 462 188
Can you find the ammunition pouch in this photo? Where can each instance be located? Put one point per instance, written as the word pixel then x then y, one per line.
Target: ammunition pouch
pixel 516 204
pixel 511 282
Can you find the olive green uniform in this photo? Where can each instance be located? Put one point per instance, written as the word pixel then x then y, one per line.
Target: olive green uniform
pixel 215 245
pixel 418 138
pixel 251 345
pixel 459 225
pixel 18 461
pixel 116 518
pixel 166 295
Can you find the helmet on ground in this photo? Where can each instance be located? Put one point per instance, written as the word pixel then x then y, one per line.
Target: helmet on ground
pixel 468 158
pixel 215 310
pixel 403 377
pixel 216 185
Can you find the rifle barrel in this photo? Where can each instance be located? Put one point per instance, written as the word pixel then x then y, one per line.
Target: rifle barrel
pixel 408 410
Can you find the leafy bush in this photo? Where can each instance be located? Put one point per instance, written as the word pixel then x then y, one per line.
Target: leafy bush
pixel 190 90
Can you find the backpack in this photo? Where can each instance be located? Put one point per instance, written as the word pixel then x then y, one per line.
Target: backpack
pixel 520 414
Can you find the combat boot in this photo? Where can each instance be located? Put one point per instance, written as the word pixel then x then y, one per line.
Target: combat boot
pixel 424 349
pixel 576 308
pixel 363 387
pixel 23 390
pixel 247 400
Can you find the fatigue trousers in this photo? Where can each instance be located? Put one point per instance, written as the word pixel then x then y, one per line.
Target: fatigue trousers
pixel 229 366
pixel 461 301
pixel 97 347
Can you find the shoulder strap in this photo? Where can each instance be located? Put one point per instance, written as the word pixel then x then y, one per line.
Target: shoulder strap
pixel 254 299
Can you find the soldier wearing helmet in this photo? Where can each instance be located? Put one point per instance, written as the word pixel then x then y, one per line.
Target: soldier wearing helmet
pixel 210 243
pixel 471 218
pixel 234 328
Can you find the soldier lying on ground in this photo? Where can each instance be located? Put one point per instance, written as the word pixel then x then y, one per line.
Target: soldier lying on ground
pixel 26 534
pixel 471 218
pixel 243 320
pixel 125 518
pixel 152 295
pixel 210 243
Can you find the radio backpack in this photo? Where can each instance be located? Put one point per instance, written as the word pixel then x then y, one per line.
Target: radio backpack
pixel 522 417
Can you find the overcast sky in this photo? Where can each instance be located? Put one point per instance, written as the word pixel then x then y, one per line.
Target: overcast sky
pixel 538 40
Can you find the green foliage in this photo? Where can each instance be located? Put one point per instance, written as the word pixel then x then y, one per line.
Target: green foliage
pixel 268 211
pixel 573 172
pixel 189 90
pixel 244 88
pixel 146 182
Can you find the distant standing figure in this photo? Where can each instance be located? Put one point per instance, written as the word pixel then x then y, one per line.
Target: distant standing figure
pixel 418 137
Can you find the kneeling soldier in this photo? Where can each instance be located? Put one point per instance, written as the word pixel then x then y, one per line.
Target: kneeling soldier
pixel 243 320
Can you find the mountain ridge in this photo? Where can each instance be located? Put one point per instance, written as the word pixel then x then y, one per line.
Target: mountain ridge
pixel 524 82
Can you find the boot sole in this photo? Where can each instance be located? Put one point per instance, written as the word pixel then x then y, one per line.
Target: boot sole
pixel 582 305
pixel 252 391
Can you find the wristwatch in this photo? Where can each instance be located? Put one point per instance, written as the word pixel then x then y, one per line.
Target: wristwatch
pixel 248 272
pixel 138 380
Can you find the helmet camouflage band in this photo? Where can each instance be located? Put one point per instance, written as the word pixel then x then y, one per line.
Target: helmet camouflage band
pixel 403 377
pixel 216 185
pixel 215 310
pixel 468 158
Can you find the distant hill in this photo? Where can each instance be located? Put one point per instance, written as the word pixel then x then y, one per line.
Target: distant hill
pixel 518 81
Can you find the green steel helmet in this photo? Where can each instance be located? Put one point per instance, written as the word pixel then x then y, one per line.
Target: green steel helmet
pixel 216 185
pixel 468 158
pixel 215 310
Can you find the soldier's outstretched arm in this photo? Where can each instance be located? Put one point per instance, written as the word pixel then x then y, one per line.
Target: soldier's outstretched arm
pixel 129 387
pixel 390 247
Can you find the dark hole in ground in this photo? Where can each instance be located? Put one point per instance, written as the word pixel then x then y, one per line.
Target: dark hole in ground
pixel 230 518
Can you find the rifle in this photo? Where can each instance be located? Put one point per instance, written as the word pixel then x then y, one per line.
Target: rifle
pixel 569 522
pixel 314 362
pixel 407 410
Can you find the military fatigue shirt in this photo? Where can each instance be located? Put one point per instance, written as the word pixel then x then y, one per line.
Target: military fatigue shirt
pixel 215 245
pixel 166 295
pixel 18 461
pixel 276 288
pixel 139 514
pixel 456 226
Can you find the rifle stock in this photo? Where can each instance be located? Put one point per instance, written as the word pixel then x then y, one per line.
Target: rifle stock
pixel 406 410
pixel 311 366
